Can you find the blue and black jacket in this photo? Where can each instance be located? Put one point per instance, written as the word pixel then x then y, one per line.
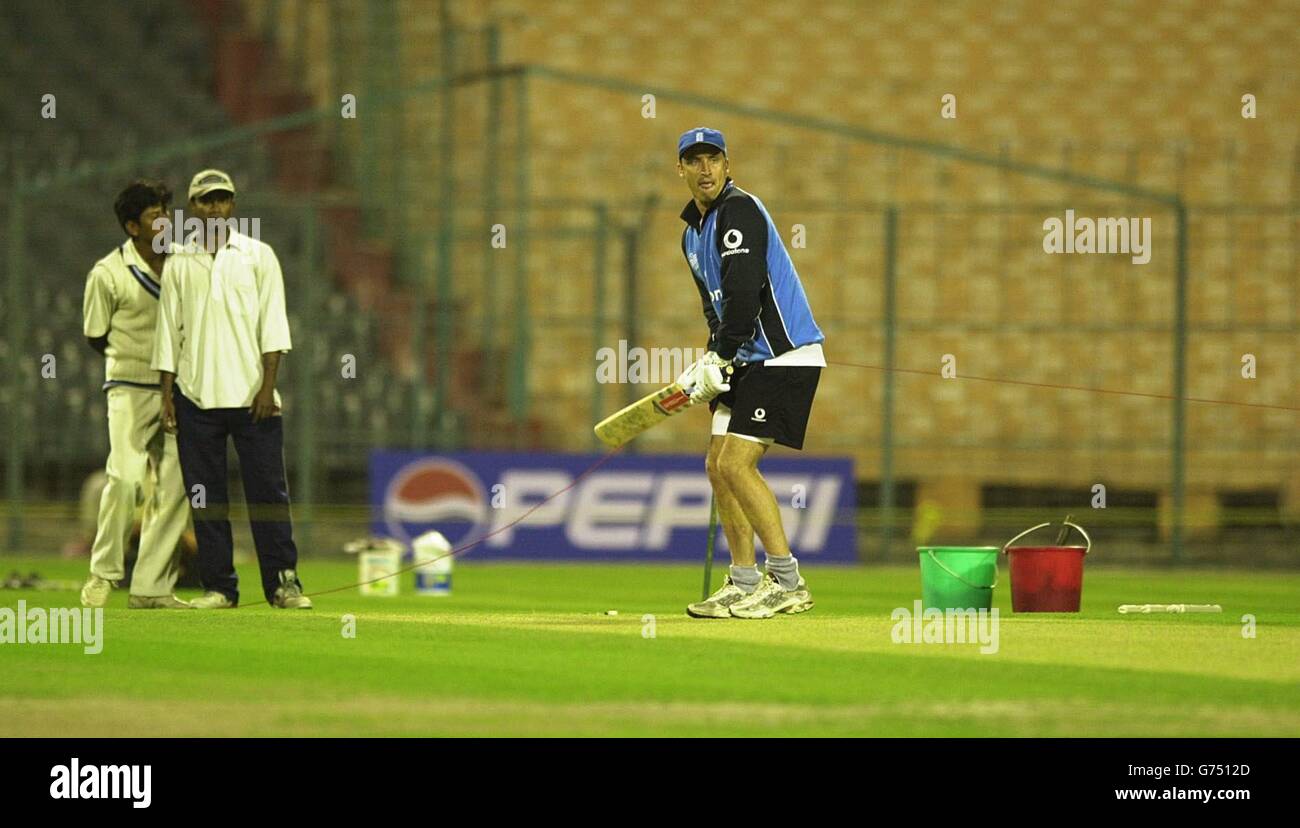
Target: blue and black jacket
pixel 752 296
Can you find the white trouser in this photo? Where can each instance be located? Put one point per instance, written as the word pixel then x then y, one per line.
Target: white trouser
pixel 142 464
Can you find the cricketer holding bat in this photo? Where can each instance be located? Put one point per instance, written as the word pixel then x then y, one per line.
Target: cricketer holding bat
pixel 761 327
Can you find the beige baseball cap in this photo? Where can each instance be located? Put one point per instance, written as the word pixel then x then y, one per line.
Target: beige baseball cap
pixel 208 180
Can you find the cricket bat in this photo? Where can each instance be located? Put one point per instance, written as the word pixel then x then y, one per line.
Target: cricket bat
pixel 647 412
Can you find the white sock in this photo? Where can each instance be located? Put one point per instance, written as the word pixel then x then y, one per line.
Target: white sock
pixel 785 569
pixel 746 577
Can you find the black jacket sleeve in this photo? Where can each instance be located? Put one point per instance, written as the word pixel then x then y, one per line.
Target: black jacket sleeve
pixel 709 315
pixel 742 244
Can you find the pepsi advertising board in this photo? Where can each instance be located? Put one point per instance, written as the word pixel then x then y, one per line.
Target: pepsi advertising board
pixel 627 508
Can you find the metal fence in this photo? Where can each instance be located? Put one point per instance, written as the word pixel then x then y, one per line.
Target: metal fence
pixel 394 266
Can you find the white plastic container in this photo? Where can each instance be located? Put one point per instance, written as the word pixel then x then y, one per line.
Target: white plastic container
pixel 433 561
pixel 380 562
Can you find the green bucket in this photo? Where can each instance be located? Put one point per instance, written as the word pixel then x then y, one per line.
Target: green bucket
pixel 958 577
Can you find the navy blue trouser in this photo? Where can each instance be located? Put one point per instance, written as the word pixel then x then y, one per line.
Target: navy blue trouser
pixel 201 442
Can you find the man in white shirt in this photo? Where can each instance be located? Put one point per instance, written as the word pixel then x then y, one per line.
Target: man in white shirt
pixel 120 314
pixel 221 330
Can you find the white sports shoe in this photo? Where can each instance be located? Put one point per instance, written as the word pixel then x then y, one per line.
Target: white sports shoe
pixel 156 602
pixel 212 600
pixel 717 605
pixel 770 598
pixel 95 592
pixel 289 594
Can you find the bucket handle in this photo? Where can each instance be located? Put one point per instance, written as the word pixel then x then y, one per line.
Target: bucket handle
pixel 1006 545
pixel 939 563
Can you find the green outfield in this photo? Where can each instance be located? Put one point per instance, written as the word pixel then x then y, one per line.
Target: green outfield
pixel 527 649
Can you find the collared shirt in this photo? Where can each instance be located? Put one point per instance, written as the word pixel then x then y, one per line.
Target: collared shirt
pixel 218 315
pixel 121 301
pixel 752 297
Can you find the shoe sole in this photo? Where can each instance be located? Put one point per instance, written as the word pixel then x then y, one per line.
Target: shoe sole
pixel 724 612
pixel 793 609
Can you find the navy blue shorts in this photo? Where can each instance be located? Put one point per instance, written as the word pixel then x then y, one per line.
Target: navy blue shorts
pixel 769 403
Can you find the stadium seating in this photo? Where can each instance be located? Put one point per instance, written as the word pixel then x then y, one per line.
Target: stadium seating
pixel 1112 100
pixel 1076 87
pixel 147 89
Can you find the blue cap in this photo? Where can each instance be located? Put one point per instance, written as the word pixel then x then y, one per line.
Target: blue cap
pixel 700 135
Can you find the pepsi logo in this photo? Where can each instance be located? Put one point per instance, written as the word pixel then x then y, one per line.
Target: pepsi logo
pixel 438 494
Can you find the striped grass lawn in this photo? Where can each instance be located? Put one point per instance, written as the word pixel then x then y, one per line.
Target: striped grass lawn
pixel 527 649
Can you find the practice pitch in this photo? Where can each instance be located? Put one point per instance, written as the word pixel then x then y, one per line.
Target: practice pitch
pixel 528 649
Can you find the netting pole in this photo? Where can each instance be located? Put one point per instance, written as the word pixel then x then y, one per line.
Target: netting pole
pixel 598 314
pixel 491 343
pixel 334 48
pixel 367 155
pixel 631 259
pixel 16 323
pixel 519 357
pixel 1178 473
pixel 887 397
pixel 305 383
pixel 446 234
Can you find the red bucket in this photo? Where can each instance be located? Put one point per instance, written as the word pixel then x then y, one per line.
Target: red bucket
pixel 1046 578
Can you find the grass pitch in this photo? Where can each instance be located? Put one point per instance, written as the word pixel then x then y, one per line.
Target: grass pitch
pixel 526 649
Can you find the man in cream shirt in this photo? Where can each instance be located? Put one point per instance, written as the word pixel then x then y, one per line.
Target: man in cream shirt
pixel 222 328
pixel 119 317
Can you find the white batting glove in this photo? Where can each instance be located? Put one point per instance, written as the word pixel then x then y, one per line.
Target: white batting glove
pixel 711 377
pixel 687 379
